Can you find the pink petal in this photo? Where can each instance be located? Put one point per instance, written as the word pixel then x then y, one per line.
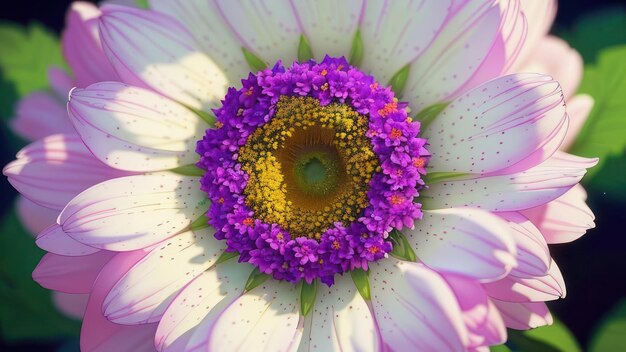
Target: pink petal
pixel 484 323
pixel 415 308
pixel 134 212
pixel 70 304
pixel 152 50
pixel 533 255
pixel 54 240
pixel 465 241
pixel 35 218
pixel 564 219
pixel 172 265
pixel 100 335
pixel 540 16
pixel 82 47
pixel 135 129
pixel 537 289
pixel 70 274
pixel 60 82
pixel 202 299
pixel 578 109
pixel 52 171
pixel 524 316
pixel 531 188
pixel 40 114
pixel 497 125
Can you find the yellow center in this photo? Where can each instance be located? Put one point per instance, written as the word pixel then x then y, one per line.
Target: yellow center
pixel 309 167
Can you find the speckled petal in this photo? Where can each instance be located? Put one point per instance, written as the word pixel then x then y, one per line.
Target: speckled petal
pixel 537 289
pixel 533 254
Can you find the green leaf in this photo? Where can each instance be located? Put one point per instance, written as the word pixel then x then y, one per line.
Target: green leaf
pixel 609 180
pixel 188 170
pixel 499 348
pixel 398 81
pixel 142 4
pixel 555 337
pixel 304 49
pixel 596 31
pixel 428 115
pixel 610 335
pixel 27 53
pixel 226 256
pixel 307 297
pixel 27 310
pixel 604 133
pixel 255 62
pixel 200 223
pixel 357 50
pixel 362 282
pixel 255 279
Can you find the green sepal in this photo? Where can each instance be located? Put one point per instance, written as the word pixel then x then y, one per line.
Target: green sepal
pixel 207 117
pixel 435 177
pixel 307 297
pixel 401 247
pixel 304 49
pixel 356 52
pixel 143 4
pixel 256 278
pixel 398 81
pixel 428 115
pixel 188 170
pixel 362 282
pixel 226 256
pixel 255 63
pixel 200 223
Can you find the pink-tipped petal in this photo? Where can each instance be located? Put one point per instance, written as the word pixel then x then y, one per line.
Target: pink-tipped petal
pixel 263 319
pixel 524 316
pixel 133 128
pixel 341 321
pixel 134 212
pixel 170 266
pixel 537 289
pixel 52 171
pixel 470 34
pixel 54 240
pixel 40 114
pixel 60 82
pixel 100 335
pixel 484 323
pixel 578 109
pixel 202 299
pixel 498 125
pixel 34 217
pixel 554 57
pixel 415 308
pixel 464 241
pixel 533 254
pixel 396 34
pixel 564 219
pixel 540 16
pixel 523 190
pixel 149 49
pixel 71 304
pixel 82 48
pixel 70 274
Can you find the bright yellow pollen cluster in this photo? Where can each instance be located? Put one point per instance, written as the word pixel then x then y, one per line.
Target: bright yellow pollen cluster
pixel 299 127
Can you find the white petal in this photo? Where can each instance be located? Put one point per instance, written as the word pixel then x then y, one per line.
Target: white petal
pixel 133 128
pixel 470 242
pixel 518 191
pixel 497 125
pixel 516 289
pixel 540 16
pixel 564 219
pixel 524 316
pixel 54 240
pixel 206 296
pixel 52 171
pixel 134 212
pixel 415 309
pixel 341 320
pixel 395 33
pixel 533 255
pixel 149 49
pixel 170 266
pixel 263 319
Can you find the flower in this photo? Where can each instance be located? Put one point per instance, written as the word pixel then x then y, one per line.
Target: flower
pixel 443 260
